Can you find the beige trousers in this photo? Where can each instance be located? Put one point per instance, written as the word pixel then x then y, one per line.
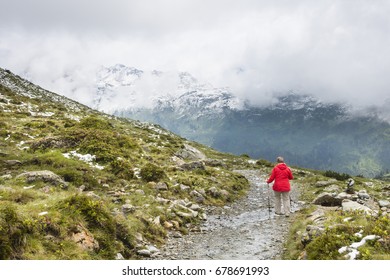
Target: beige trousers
pixel 282 198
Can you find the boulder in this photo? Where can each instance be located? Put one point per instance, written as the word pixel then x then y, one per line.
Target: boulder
pixel 317 215
pixel 161 186
pixel 325 183
pixel 332 188
pixel 384 203
pixel 193 165
pixel 199 198
pixel 44 175
pixel 12 162
pixel 214 192
pixel 190 153
pixel 326 199
pixel 128 208
pixel 349 205
pixel 362 194
pixel 184 188
pixel 344 195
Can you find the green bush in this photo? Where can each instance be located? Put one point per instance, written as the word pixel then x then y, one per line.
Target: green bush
pixel 336 175
pixel 12 233
pixel 95 123
pixel 151 172
pixel 122 169
pixel 264 162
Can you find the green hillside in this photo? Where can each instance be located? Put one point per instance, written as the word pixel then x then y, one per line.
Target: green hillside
pixel 77 184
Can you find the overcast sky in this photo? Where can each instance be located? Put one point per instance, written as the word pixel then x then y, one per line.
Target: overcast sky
pixel 336 50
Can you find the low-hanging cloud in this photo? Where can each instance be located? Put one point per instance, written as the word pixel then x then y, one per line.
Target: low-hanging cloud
pixel 335 50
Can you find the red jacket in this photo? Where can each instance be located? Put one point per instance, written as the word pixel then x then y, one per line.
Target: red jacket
pixel 281 174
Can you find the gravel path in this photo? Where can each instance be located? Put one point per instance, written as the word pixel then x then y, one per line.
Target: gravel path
pixel 244 230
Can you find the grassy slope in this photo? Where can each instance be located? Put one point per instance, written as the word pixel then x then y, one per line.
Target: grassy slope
pixel 39 127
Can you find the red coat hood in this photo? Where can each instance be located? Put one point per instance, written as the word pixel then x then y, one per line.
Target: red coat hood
pixel 281 166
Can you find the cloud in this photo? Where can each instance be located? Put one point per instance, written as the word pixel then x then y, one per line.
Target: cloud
pixel 335 50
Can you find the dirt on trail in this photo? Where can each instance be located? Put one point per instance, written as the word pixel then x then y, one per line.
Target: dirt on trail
pixel 244 230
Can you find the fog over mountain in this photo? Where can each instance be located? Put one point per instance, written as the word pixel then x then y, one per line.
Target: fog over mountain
pixel 335 50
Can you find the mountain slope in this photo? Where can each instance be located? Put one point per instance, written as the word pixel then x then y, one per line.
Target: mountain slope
pixel 307 132
pixel 79 184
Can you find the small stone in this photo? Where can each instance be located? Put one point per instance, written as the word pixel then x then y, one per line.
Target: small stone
pixel 140 192
pixel 6 177
pixel 161 186
pixel 144 253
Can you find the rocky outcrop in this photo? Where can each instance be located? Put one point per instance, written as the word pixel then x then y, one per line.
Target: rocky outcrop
pixel 84 239
pixel 190 153
pixel 45 176
pixel 327 199
pixel 194 165
pixel 348 205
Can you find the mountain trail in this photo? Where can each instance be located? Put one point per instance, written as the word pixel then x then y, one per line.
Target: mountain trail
pixel 243 230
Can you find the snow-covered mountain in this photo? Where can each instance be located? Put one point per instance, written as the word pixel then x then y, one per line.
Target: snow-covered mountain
pixel 122 88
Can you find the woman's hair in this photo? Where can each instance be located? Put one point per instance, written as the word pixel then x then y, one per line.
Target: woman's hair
pixel 279 160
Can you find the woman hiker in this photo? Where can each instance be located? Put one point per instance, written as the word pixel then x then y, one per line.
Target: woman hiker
pixel 282 175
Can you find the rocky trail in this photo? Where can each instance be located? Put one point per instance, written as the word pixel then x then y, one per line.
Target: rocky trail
pixel 243 230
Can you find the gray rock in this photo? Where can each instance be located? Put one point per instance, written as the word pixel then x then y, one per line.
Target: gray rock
pixel 12 162
pixel 45 175
pixel 332 188
pixel 344 195
pixel 214 192
pixel 349 205
pixel 195 165
pixel 140 192
pixel 6 177
pixel 190 153
pixel 326 199
pixel 317 214
pixel 362 194
pixel 195 207
pixel 161 186
pixel 152 249
pixel 184 215
pixel 384 203
pixel 144 253
pixel 128 208
pixel 119 256
pixel 325 183
pixel 225 193
pixel 184 188
pixel 199 198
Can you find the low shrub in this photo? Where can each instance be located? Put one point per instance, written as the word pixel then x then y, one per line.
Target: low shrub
pixel 151 172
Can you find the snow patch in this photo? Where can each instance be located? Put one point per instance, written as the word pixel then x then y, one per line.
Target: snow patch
pixel 88 158
pixel 352 250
